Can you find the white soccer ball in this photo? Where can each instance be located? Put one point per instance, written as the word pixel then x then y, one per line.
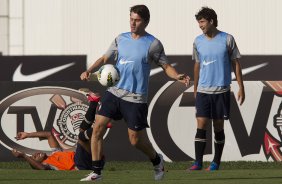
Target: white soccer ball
pixel 108 75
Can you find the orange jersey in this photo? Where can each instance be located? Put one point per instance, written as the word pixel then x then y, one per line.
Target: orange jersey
pixel 61 160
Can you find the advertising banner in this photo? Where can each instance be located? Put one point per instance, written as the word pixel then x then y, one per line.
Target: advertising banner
pixel 252 133
pixel 42 68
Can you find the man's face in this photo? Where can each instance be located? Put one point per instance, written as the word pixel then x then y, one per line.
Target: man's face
pixel 137 24
pixel 205 25
pixel 39 157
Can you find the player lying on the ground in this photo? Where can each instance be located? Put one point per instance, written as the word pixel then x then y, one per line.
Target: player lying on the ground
pixel 60 159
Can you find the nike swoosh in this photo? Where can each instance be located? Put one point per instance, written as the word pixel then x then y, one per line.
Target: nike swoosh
pixel 123 62
pixel 18 76
pixel 158 70
pixel 250 69
pixel 208 62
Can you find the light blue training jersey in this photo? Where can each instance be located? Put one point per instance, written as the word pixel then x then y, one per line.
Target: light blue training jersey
pixel 215 57
pixel 134 58
pixel 133 63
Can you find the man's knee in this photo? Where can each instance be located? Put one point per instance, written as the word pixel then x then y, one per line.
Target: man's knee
pixel 134 142
pixel 138 139
pixel 134 139
pixel 98 130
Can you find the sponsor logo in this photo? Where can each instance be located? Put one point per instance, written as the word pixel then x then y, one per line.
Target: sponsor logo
pixel 19 76
pixel 42 68
pixel 208 62
pixel 246 129
pixel 124 62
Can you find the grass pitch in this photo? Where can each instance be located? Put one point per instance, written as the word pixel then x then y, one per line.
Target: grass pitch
pixel 141 173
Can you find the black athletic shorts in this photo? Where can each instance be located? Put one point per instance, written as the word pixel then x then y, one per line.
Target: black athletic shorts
pixel 82 159
pixel 135 114
pixel 213 106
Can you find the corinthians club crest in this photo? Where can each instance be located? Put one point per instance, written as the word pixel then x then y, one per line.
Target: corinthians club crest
pixel 69 120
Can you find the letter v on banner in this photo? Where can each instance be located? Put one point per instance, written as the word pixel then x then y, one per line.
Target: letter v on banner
pixel 251 144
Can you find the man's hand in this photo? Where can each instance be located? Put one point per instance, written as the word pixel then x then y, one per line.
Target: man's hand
pixel 17 153
pixel 21 135
pixel 241 96
pixel 85 75
pixel 184 79
pixel 93 76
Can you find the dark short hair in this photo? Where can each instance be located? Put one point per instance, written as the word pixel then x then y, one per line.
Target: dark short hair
pixel 208 14
pixel 142 11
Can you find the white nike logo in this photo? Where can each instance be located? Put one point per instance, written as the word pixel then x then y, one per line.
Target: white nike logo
pixel 208 62
pixel 158 70
pixel 18 76
pixel 123 62
pixel 250 69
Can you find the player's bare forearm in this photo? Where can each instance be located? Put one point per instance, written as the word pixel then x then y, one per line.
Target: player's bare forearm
pixel 53 143
pixel 239 77
pixel 238 72
pixel 34 164
pixel 196 77
pixel 86 74
pixel 102 60
pixel 41 134
pixel 172 73
pixel 23 135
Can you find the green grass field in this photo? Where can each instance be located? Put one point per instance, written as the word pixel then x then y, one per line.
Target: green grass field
pixel 141 173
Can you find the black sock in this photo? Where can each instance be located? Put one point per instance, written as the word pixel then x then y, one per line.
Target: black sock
pixel 200 145
pixel 218 146
pixel 156 160
pixel 85 135
pixel 97 166
pixel 89 116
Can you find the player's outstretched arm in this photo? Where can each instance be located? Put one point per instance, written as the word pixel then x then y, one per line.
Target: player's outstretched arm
pixel 172 73
pixel 101 61
pixel 33 163
pixel 238 73
pixel 53 143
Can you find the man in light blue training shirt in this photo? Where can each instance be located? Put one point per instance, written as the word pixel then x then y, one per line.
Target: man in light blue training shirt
pixel 214 52
pixel 134 51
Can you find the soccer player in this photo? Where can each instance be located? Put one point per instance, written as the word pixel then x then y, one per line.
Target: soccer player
pixel 214 52
pixel 59 159
pixel 135 51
